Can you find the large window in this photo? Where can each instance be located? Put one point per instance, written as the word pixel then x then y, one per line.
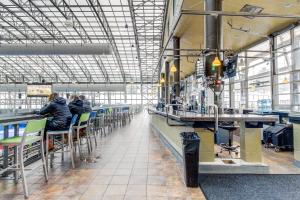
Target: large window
pixel 259 75
pixel 238 86
pixel 283 68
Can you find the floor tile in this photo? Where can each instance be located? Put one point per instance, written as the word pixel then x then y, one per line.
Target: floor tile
pixel 116 190
pixel 119 180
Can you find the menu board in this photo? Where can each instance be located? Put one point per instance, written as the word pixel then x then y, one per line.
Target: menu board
pixel 39 90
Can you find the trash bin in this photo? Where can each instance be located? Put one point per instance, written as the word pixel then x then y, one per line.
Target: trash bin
pixel 190 148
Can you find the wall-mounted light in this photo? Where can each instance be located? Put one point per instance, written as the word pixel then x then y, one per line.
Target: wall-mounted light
pixel 173 69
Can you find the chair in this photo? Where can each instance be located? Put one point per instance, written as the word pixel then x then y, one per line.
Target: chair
pixel 34 132
pixel 69 133
pixel 100 118
pixel 109 119
pixel 82 125
pixel 91 127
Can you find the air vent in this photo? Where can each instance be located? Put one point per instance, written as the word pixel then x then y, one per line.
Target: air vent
pixel 252 10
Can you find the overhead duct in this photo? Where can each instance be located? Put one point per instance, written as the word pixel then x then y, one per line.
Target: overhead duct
pixel 213 33
pixel 54 49
pixel 213 41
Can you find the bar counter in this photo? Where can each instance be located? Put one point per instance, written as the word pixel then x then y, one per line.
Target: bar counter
pixel 169 126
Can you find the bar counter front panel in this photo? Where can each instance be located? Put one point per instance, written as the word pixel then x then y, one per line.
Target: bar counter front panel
pixel 202 124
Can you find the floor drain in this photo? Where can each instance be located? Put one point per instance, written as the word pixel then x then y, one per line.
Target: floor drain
pixel 228 161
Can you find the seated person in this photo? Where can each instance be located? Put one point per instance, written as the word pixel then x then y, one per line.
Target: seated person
pixel 59 113
pixel 86 103
pixel 76 106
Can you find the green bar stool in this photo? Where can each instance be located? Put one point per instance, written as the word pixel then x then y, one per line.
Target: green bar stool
pixel 34 132
pixel 62 133
pixel 91 131
pixel 82 125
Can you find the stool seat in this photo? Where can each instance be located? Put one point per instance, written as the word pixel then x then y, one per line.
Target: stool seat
pixel 229 128
pixel 58 132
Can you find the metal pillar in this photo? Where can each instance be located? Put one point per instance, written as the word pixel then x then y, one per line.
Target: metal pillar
pixel 167 71
pixel 213 39
pixel 176 47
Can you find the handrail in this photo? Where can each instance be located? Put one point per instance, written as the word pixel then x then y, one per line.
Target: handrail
pixel 167 113
pixel 216 115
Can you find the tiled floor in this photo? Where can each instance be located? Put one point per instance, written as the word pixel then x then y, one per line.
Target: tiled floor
pixel 133 165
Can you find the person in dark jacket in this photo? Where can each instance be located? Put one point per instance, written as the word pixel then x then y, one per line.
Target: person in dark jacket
pixel 76 105
pixel 58 112
pixel 86 104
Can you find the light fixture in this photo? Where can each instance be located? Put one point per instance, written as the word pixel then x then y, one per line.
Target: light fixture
pixel 242 62
pixel 216 63
pixel 173 68
pixel 69 22
pixel 285 80
pixel 162 78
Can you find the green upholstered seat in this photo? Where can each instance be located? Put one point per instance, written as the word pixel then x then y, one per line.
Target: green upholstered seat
pixel 18 139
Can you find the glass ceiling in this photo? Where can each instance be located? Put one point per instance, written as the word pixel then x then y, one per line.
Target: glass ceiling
pixel 133 28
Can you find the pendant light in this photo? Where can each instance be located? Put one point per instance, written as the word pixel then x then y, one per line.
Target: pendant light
pixel 173 68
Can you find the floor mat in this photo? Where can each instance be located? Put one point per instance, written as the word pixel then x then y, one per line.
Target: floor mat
pixel 248 187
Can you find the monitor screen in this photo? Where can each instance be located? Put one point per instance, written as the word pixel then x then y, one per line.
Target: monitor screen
pixel 230 66
pixel 36 90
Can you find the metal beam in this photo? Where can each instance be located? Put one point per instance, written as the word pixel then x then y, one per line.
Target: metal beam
pixel 130 4
pixel 238 14
pixel 103 21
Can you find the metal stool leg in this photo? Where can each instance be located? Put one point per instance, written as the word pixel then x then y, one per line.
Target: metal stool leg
pixel 21 161
pixel 44 161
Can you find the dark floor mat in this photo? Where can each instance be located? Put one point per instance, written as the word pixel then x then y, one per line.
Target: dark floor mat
pixel 248 187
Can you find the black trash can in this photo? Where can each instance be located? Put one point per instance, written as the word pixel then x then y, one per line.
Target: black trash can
pixel 190 148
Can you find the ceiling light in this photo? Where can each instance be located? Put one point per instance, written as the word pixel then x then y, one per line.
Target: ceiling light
pixel 69 22
pixel 251 10
pixel 285 80
pixel 242 62
pixel 173 69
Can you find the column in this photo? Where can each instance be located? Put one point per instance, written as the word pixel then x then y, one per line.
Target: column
pixel 167 93
pixel 250 141
pixel 206 150
pixel 176 47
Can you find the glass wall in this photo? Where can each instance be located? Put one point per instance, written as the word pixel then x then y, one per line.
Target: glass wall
pixel 135 94
pixel 256 80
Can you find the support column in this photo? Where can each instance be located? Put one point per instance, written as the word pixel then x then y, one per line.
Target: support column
pixel 167 93
pixel 296 131
pixel 163 91
pixel 250 142
pixel 206 149
pixel 176 47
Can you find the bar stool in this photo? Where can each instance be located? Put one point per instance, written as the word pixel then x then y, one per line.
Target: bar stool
pixel 62 133
pixel 92 128
pixel 101 122
pixel 34 132
pixel 82 126
pixel 109 120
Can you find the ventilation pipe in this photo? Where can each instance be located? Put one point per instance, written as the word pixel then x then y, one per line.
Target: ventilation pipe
pixel 214 41
pixel 54 49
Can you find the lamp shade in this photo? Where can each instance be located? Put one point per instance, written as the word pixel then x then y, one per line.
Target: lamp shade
pixel 216 62
pixel 173 68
